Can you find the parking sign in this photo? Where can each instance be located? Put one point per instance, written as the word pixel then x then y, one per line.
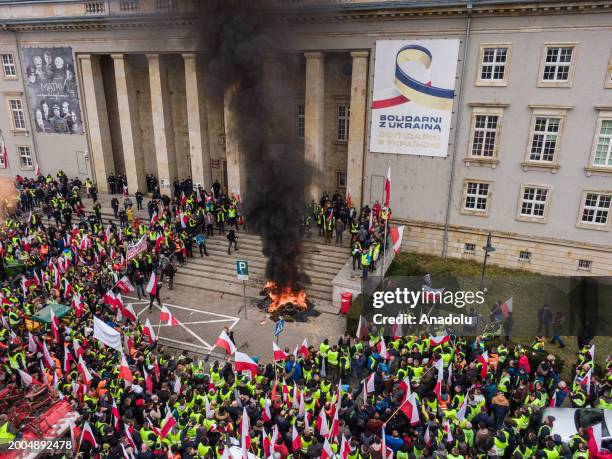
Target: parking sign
pixel 242 269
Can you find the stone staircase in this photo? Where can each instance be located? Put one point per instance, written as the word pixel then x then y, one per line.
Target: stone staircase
pixel 217 272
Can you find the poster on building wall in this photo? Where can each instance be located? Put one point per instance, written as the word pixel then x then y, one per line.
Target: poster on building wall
pixel 414 87
pixel 52 90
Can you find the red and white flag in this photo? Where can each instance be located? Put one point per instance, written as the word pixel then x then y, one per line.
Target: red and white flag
pixel 586 380
pixel 125 285
pixel 439 365
pixel 296 440
pixel 384 353
pixel 279 355
pixel 345 448
pixel 462 409
pixel 327 452
pixel 149 332
pixel 245 434
pixel 124 370
pixel 397 234
pixel 152 285
pixel 225 342
pixel 368 386
pixel 405 386
pixel 388 188
pixel 321 423
pixel 27 379
pixel 168 424
pixel 78 350
pixel 592 352
pixel 484 361
pixel 84 371
pixel 116 416
pixel 55 326
pixel 427 436
pixel 129 313
pixel 37 171
pixel 410 409
pixel 166 316
pixel 244 363
pixel 266 414
pixel 87 435
pixel 348 198
pixel 128 435
pixel 304 349
pixel 31 343
pixel 362 328
pixel 148 380
pixel 68 358
pixel 438 340
pixel 46 355
pixel 553 400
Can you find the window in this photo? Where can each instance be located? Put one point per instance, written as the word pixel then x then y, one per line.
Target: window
pixel 469 248
pixel 25 157
pixel 533 202
pixel 595 208
pixel 343 122
pixel 340 179
pixel 557 66
pixel 525 255
pixel 8 66
pixel 494 62
pixel 476 196
pixel 300 121
pixel 584 265
pixel 17 115
pixel 485 132
pixel 603 147
pixel 544 139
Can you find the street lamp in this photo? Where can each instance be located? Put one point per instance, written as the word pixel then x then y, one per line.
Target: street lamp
pixel 487 248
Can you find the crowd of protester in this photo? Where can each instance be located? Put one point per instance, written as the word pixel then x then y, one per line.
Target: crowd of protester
pixel 369 396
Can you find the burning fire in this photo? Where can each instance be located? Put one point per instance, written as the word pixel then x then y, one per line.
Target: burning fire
pixel 280 297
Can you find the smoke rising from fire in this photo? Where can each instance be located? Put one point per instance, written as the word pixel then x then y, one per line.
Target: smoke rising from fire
pixel 243 60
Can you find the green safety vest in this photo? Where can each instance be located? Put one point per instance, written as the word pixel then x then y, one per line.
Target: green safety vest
pixel 332 358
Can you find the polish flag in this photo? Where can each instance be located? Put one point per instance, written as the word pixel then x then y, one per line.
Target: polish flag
pixel 427 437
pixel 484 360
pixel 592 352
pixel 124 370
pixel 388 188
pixel 397 234
pixel 67 359
pixel 116 416
pixel 82 368
pixel 152 285
pixel 154 219
pixel 245 434
pixel 439 365
pixel 166 316
pixel 87 435
pixel 405 386
pixel 410 409
pixel 296 441
pixel 148 380
pixel 74 433
pixel 55 326
pixel 553 400
pixel 449 378
pixel 345 448
pixel 128 436
pixel 266 415
pixel 244 363
pixel 125 285
pixel 438 340
pixel 304 349
pixel 225 342
pixel 348 198
pixel 78 350
pixel 183 199
pixel 149 332
pixel 109 298
pixel 384 353
pixel 327 452
pixel 368 387
pixel 462 409
pixel 279 355
pixel 156 370
pixel 47 356
pixel 37 171
pixel 77 305
pixel 27 379
pixel 129 313
pixel 383 437
pixel 586 381
pixel 31 343
pixel 321 423
pixel 168 424
pixel 334 431
pixel 286 397
pixel 362 328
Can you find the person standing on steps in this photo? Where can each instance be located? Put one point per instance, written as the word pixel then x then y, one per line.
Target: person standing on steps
pixel 233 239
pixel 201 241
pixel 115 205
pixel 169 271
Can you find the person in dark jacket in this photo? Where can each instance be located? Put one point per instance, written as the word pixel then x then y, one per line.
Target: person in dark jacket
pixel 233 240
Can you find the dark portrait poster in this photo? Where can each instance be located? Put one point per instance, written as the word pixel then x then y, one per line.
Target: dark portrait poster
pixel 52 90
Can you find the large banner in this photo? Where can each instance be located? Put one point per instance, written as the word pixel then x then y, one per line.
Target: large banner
pixel 414 86
pixel 136 249
pixel 52 90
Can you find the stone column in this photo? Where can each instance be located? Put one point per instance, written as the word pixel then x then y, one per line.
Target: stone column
pixel 356 140
pixel 101 151
pixel 314 113
pixel 161 112
pixel 129 120
pixel 232 148
pixel 199 151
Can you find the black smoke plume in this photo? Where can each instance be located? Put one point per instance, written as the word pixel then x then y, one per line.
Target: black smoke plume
pixel 241 46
